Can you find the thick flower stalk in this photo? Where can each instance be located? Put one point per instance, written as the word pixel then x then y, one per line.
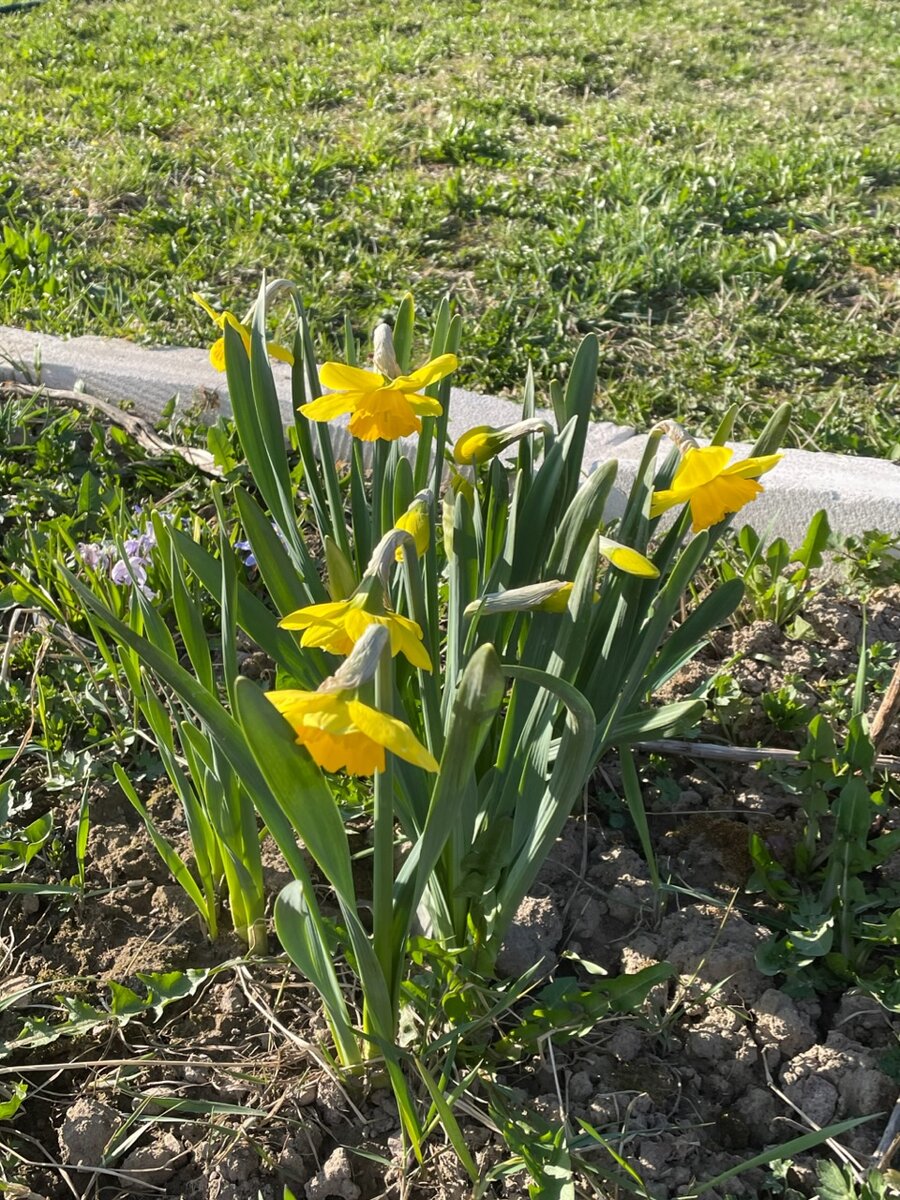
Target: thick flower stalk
pixel 217 349
pixel 338 730
pixel 712 487
pixel 380 405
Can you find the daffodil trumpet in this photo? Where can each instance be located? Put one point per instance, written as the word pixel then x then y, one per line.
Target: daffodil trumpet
pixel 712 485
pixel 483 442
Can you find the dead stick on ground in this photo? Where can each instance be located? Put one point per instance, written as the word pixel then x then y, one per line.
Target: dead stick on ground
pixel 145 435
pixel 741 754
pixel 890 1141
pixel 887 710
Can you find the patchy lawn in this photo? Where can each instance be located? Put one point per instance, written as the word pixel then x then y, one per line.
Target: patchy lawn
pixel 712 185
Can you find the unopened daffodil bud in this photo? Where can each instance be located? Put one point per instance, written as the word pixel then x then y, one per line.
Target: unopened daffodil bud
pixel 447 524
pixel 632 562
pixel 460 486
pixel 416 521
pixel 550 596
pixel 483 442
pixel 384 357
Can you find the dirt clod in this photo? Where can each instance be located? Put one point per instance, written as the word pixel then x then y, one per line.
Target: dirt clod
pixel 779 1024
pixel 334 1180
pixel 532 938
pixel 86 1129
pixel 155 1163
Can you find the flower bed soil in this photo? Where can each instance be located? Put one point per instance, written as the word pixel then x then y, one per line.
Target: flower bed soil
pixel 719 1064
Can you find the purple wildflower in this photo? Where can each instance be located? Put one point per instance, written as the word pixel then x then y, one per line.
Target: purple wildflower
pixel 94 555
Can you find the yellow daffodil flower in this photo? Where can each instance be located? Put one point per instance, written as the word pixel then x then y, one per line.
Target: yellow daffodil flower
pixel 339 624
pixel 379 407
pixel 343 733
pixel 217 349
pixel 712 487
pixel 416 521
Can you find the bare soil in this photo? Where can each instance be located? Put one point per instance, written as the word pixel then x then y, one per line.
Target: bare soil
pixel 719 1064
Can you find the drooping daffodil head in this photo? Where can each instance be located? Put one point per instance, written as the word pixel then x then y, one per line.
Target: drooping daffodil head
pixel 337 626
pixel 217 349
pixel 338 730
pixel 342 733
pixel 712 485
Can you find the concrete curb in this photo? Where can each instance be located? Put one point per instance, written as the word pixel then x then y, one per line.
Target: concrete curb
pixel 858 493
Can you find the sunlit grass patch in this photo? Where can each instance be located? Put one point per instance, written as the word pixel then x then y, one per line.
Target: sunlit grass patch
pixel 709 186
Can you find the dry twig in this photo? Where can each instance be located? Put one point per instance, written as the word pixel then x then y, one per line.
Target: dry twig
pixel 742 754
pixel 143 433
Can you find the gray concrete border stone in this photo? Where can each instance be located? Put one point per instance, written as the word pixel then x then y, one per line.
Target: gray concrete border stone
pixel 857 493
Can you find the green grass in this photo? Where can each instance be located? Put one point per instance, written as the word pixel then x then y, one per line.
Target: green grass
pixel 712 185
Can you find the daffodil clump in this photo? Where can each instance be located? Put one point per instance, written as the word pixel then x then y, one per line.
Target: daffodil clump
pixel 455 619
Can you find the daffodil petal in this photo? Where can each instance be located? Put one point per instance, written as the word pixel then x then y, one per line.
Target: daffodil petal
pixel 424 406
pixel 406 639
pixel 292 700
pixel 699 465
pixel 752 468
pixel 280 352
pixel 431 372
pixel 326 408
pixel 340 377
pixel 392 734
pixel 330 637
pixel 208 309
pixel 661 502
pixel 727 494
pixel 313 614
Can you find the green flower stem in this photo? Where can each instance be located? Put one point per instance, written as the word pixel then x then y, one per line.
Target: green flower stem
pixel 429 687
pixel 383 835
pixel 379 471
